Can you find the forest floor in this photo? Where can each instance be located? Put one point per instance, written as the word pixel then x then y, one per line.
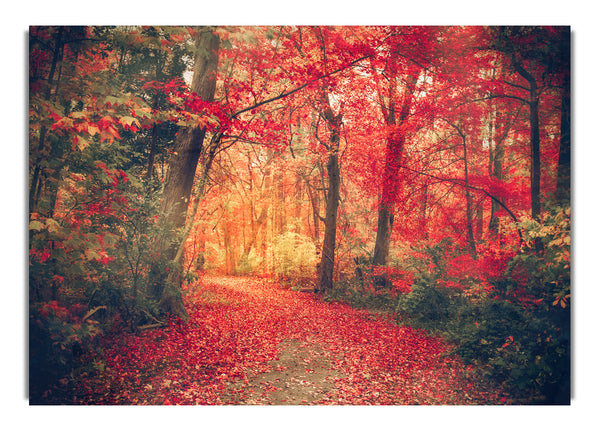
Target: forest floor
pixel 250 341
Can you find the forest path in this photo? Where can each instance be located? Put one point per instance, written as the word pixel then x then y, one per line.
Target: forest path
pixel 300 375
pixel 250 341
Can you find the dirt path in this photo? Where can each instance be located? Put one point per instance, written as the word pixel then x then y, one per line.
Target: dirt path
pixel 301 375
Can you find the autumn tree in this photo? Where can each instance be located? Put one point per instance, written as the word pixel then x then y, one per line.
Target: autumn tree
pixel 183 164
pixel 52 83
pixel 148 58
pixel 538 56
pixel 397 73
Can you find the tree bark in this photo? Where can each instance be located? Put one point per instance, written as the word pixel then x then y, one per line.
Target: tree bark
pixel 183 163
pixel 495 168
pixel 535 157
pixel 495 171
pixel 35 185
pixel 563 178
pixel 469 199
pixel 327 263
pixel 314 203
pixel 385 223
pixel 153 144
pixel 394 154
pixel 423 211
pixel 389 195
pixel 479 222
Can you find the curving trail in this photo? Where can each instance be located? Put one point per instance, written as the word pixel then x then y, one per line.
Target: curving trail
pixel 251 342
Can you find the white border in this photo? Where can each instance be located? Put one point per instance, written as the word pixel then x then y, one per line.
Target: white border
pixel 580 14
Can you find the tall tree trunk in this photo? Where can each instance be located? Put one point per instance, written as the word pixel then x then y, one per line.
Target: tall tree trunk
pixel 394 153
pixel 536 207
pixel 495 168
pixel 385 222
pixel 229 254
pixel 563 177
pixel 479 219
pixel 180 178
pixel 534 141
pixel 280 212
pixel 153 144
pixel 389 195
pixel 314 203
pixel 423 211
pixel 327 264
pixel 469 199
pixel 495 171
pixel 35 185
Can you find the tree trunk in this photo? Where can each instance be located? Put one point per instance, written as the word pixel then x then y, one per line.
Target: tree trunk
pixel 314 203
pixel 36 181
pixel 423 211
pixel 536 206
pixel 534 134
pixel 389 195
pixel 469 199
pixel 229 254
pixel 153 143
pixel 280 212
pixel 327 264
pixel 563 178
pixel 479 223
pixel 385 222
pixel 183 163
pixel 495 171
pixel 394 154
pixel 535 159
pixel 35 185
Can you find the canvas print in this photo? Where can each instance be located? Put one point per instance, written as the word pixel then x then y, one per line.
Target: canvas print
pixel 299 215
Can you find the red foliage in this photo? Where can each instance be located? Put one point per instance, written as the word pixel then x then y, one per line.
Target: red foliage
pixel 235 329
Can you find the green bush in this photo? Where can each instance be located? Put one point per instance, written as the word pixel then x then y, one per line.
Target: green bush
pixel 250 263
pixel 58 338
pixel 295 258
pixel 358 294
pixel 519 330
pixel 512 323
pixel 525 348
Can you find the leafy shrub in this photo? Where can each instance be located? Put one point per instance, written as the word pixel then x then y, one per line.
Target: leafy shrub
pixel 355 293
pixel 95 249
pixel 509 316
pixel 59 336
pixel 517 327
pixel 373 287
pixel 250 263
pixel 295 258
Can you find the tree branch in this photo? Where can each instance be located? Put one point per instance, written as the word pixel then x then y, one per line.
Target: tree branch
pixel 295 90
pixel 501 96
pixel 461 183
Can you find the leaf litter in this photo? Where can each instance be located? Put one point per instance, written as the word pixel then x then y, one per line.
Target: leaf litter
pixel 250 341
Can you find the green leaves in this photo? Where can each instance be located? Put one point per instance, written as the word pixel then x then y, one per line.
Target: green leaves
pixel 36 225
pixel 129 121
pixel 295 257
